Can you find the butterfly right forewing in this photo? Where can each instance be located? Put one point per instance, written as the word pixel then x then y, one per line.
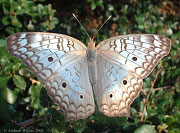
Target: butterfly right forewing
pixel 60 62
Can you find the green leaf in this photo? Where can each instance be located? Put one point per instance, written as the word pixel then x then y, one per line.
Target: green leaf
pixel 7 113
pixel 141 27
pixel 30 26
pixel 140 19
pixel 93 6
pixel 2 43
pixel 5 20
pixel 149 28
pixel 44 98
pixel 169 32
pixel 9 30
pixel 3 81
pixel 16 22
pixel 57 120
pixel 7 69
pixel 34 91
pixel 9 95
pixel 5 10
pixel 54 113
pixel 177 103
pixel 4 61
pixel 19 82
pixel 133 112
pixel 129 126
pixel 169 120
pixel 100 4
pixel 79 125
pixel 16 67
pixel 25 72
pixel 176 36
pixel 145 129
pixel 3 50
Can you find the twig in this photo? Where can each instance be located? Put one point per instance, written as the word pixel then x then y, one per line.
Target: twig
pixel 35 81
pixel 36 119
pixel 31 121
pixel 156 89
pixel 148 95
pixel 143 92
pixel 165 87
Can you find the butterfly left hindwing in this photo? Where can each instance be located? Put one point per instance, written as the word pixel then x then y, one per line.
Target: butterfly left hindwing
pixel 72 91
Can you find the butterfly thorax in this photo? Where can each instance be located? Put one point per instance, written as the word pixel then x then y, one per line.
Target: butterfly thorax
pixel 91 58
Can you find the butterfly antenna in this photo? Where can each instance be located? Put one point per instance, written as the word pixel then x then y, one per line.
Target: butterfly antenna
pixel 101 26
pixel 82 26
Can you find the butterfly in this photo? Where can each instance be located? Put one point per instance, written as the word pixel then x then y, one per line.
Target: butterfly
pixel 113 70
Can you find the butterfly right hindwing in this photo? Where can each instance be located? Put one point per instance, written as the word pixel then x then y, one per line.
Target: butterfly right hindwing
pixel 116 88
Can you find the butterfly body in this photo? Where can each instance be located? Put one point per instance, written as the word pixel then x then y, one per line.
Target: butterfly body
pixel 92 62
pixel 114 70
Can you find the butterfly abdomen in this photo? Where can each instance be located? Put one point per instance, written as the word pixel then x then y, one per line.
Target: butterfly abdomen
pixel 92 67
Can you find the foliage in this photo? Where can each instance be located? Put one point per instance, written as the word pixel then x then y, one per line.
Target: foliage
pixel 26 15
pixel 23 97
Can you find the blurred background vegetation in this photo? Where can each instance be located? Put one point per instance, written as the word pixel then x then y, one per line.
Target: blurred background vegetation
pixel 25 106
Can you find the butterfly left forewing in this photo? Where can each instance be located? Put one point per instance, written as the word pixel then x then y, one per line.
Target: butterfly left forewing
pixel 44 53
pixel 122 64
pixel 60 62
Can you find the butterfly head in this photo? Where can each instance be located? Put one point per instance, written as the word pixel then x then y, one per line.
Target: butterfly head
pixel 91 44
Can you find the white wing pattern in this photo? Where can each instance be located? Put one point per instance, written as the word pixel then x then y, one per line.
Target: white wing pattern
pixel 60 61
pixel 122 63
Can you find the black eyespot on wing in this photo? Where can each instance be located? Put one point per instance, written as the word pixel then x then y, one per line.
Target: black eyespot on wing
pixel 64 85
pixel 50 59
pixel 111 95
pixel 124 82
pixel 81 96
pixel 134 58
